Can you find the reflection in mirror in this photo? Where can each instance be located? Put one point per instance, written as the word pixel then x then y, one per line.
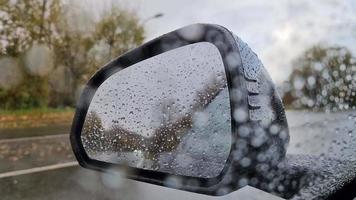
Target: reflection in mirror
pixel 169 113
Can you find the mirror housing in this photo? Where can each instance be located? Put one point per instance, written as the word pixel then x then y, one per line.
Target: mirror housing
pixel 259 126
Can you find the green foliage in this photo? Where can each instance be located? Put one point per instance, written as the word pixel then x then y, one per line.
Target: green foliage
pixel 323 78
pixel 120 31
pixel 33 93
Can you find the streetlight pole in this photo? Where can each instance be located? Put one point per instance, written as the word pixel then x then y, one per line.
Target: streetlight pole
pixel 158 15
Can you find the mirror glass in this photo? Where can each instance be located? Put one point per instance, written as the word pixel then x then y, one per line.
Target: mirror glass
pixel 169 113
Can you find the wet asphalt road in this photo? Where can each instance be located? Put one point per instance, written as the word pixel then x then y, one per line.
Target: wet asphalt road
pixel 312 133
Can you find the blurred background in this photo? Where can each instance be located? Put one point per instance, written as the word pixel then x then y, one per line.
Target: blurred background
pixel 50 48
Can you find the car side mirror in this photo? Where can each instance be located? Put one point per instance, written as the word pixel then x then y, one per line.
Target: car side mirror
pixel 193 110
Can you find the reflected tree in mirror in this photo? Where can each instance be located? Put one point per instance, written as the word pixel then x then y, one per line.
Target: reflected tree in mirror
pixel 93 130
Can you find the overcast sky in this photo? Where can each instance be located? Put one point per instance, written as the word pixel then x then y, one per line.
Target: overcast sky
pixel 277 30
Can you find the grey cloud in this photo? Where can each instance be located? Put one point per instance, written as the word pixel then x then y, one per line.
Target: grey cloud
pixel 278 30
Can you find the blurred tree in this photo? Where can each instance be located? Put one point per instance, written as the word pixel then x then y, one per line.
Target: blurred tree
pixel 25 24
pixel 323 78
pixel 83 53
pixel 120 31
pixel 76 51
pixel 71 51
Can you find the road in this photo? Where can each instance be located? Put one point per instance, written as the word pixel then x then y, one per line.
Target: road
pixel 29 169
pixel 332 135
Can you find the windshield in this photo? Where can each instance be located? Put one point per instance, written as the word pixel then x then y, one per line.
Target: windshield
pixel 49 49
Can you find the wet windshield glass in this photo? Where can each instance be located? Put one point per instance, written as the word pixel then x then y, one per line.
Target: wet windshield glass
pixel 49 49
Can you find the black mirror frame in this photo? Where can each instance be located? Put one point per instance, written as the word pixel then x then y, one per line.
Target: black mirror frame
pixel 227 46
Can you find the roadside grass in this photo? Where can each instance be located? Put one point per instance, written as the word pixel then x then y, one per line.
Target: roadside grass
pixel 35 117
pixel 35 111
